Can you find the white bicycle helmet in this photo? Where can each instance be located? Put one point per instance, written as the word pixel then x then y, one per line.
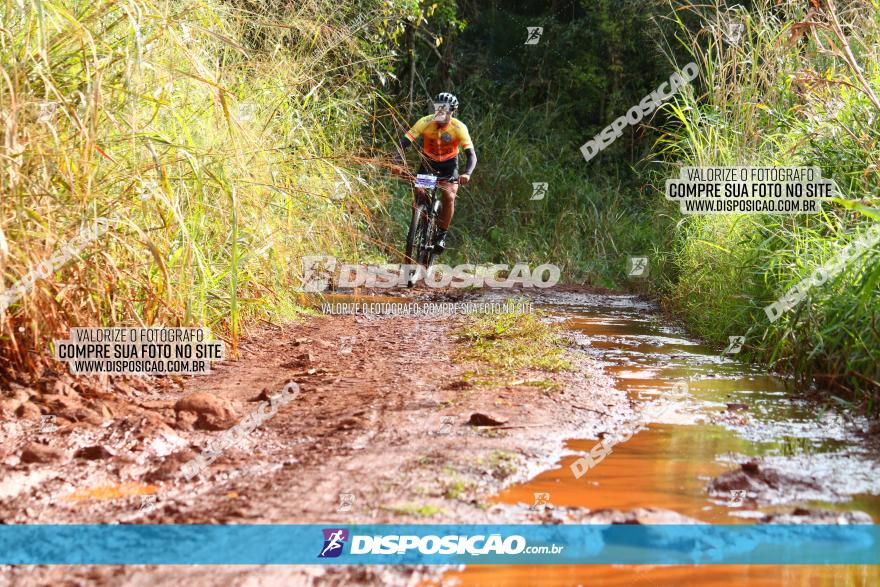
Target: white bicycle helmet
pixel 448 99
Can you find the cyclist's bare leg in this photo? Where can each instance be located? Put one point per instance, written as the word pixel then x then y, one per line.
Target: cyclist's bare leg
pixel 448 190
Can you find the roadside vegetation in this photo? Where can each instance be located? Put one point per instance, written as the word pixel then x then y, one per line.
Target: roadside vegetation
pixel 799 87
pixel 225 134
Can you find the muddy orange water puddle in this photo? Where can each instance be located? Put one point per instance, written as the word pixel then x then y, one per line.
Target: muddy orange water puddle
pixel 619 481
pixel 720 575
pixel 669 464
pixel 111 491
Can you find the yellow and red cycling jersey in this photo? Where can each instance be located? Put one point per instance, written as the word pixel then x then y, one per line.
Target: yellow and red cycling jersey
pixel 440 144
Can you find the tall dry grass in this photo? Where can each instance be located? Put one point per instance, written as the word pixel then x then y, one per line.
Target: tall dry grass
pixel 225 136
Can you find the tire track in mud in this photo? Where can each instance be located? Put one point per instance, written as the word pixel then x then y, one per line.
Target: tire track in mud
pixel 349 412
pixel 363 417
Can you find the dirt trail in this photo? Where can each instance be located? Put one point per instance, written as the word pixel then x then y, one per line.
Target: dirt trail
pixel 372 422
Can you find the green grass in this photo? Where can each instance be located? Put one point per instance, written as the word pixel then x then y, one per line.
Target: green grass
pixel 501 464
pixel 426 460
pixel 458 488
pixel 414 509
pixel 510 342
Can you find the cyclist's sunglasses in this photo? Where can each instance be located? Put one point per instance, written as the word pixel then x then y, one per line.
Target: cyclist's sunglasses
pixel 441 107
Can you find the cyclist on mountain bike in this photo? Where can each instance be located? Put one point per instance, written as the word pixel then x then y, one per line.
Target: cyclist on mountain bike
pixel 442 134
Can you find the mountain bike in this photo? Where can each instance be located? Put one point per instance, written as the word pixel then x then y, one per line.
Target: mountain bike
pixel 423 226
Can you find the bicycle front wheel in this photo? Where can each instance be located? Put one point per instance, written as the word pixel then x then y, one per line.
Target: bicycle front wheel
pixel 427 252
pixel 415 236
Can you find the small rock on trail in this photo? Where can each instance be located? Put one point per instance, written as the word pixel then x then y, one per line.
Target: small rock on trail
pixel 769 485
pixel 214 413
pixel 300 361
pixel 810 516
pixel 28 411
pixel 93 453
pixel 171 466
pixel 42 453
pixel 639 516
pixel 478 419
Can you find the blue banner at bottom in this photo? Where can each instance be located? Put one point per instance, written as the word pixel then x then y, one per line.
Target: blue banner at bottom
pixel 440 544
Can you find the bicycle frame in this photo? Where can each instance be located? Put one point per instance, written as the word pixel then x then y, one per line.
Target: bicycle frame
pixel 423 227
pixel 429 182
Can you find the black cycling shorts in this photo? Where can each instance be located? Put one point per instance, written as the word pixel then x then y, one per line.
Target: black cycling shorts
pixel 445 170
